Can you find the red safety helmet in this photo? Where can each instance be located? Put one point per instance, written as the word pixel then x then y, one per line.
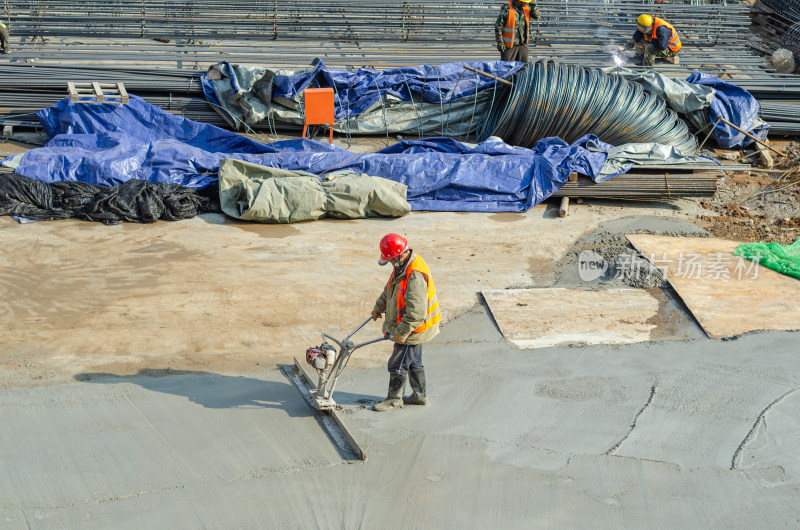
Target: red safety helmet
pixel 392 245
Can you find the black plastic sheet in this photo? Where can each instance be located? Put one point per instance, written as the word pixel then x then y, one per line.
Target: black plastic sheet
pixel 135 201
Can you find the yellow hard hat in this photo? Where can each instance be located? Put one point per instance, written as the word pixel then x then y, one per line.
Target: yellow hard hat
pixel 645 21
pixel 526 1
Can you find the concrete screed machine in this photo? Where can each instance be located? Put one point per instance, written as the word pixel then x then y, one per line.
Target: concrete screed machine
pixel 329 365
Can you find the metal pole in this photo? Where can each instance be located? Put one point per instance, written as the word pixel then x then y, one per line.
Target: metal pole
pixel 762 142
pixel 509 83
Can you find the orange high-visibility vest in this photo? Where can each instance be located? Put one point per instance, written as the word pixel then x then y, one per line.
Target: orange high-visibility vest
pixel 511 24
pixel 674 43
pixel 432 316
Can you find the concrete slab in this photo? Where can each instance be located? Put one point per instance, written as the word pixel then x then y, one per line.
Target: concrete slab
pixel 112 438
pixel 632 436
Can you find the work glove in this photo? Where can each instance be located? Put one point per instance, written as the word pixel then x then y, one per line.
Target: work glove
pixel 629 45
pixel 376 315
pixel 501 47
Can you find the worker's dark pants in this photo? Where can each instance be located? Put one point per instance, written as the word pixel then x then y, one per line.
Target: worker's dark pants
pixel 4 39
pixel 648 52
pixel 518 53
pixel 404 358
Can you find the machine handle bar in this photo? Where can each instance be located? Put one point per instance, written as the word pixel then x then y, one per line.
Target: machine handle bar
pixel 359 327
pixel 379 339
pixel 326 336
pixel 385 337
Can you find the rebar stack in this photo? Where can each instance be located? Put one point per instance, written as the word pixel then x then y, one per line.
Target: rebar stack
pixel 642 185
pixel 345 34
pixel 28 88
pixel 358 20
pixel 778 24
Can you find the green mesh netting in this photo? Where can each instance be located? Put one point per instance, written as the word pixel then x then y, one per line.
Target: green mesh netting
pixel 781 258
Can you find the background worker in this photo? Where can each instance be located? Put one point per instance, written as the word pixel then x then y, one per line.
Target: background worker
pixel 4 38
pixel 655 38
pixel 512 29
pixel 412 318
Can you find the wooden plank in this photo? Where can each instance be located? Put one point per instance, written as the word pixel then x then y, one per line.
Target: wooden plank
pixel 540 318
pixel 73 91
pixel 727 295
pixel 98 92
pixel 123 93
pixel 563 210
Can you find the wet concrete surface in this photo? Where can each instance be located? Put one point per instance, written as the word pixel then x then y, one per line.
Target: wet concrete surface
pixel 693 434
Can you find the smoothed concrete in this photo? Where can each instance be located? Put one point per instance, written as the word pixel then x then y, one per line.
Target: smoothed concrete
pixel 630 436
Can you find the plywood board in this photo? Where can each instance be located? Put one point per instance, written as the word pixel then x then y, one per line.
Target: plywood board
pixel 539 318
pixel 727 295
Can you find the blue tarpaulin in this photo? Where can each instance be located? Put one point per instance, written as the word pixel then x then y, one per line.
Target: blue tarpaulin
pixel 109 144
pixel 445 175
pixel 355 92
pixel 734 104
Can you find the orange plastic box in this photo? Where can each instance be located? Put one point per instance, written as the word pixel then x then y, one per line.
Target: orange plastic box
pixel 318 108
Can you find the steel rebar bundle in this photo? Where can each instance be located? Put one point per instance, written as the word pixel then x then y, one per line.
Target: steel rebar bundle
pixel 356 19
pixel 552 99
pixel 644 186
pixel 27 88
pixel 345 34
pixel 780 24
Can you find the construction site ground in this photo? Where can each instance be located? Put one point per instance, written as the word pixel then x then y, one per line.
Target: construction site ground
pixel 141 385
pixel 755 206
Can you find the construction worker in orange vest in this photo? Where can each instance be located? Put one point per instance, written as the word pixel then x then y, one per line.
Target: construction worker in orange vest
pixel 512 29
pixel 4 38
pixel 412 318
pixel 655 38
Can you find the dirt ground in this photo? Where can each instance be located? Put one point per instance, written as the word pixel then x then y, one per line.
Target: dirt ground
pixel 754 207
pixel 215 294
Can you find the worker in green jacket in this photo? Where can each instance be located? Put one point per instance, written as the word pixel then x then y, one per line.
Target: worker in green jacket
pixel 512 29
pixel 4 37
pixel 411 306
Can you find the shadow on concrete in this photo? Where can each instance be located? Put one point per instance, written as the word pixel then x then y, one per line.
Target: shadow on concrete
pixel 211 390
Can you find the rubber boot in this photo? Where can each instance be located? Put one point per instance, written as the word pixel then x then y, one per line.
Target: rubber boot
pixel 416 378
pixel 397 384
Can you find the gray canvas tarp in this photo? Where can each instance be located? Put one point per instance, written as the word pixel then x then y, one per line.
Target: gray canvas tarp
pixel 246 95
pixel 622 156
pixel 687 99
pixel 269 195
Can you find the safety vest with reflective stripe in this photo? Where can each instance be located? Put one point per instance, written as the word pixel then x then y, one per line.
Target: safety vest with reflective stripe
pixel 432 316
pixel 674 43
pixel 511 24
